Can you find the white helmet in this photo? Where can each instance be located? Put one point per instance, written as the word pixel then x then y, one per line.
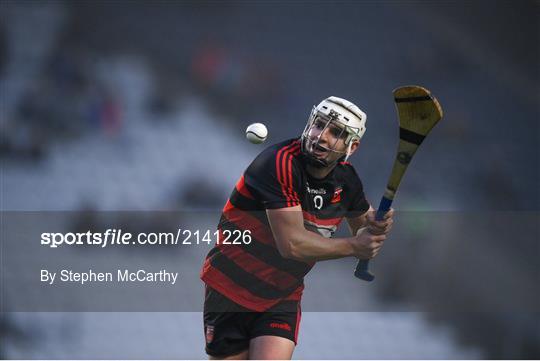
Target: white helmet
pixel 340 112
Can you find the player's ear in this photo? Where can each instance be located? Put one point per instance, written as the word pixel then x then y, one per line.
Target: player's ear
pixel 354 146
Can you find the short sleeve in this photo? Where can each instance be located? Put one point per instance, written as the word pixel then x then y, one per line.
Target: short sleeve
pixel 273 178
pixel 359 204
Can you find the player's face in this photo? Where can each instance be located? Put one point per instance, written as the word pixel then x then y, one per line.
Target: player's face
pixel 328 140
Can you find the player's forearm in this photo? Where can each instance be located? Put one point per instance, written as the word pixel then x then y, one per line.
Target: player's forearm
pixel 310 247
pixel 356 222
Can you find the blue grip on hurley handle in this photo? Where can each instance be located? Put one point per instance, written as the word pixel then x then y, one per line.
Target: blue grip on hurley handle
pixel 362 270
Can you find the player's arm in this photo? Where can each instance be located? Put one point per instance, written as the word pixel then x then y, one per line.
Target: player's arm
pixel 294 241
pixel 368 220
pixel 356 222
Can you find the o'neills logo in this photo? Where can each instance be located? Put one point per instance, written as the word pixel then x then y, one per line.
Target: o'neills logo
pixel 283 326
pixel 316 191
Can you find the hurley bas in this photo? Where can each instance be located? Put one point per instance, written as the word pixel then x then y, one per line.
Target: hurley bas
pixel 163 276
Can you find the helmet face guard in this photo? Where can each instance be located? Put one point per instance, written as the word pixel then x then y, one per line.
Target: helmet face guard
pixel 339 131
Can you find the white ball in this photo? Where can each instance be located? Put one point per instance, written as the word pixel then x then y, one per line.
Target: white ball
pixel 256 133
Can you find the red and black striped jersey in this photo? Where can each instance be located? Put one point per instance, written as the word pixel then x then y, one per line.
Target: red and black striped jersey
pixel 255 275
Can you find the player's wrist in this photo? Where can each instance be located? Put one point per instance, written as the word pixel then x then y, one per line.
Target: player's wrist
pixel 349 248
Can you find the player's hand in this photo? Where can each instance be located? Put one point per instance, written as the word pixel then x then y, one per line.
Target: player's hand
pixel 380 227
pixel 366 245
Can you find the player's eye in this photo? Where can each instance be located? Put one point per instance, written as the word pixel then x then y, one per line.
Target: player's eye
pixel 336 132
pixel 319 124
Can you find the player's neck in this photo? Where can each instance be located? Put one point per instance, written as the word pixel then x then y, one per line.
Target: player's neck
pixel 318 173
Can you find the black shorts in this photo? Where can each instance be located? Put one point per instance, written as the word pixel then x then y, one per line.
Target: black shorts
pixel 228 327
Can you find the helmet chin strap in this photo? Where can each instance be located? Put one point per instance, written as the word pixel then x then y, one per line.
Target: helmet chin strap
pixel 349 147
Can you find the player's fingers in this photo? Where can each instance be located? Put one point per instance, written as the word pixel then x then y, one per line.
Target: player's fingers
pixel 387 228
pixel 389 222
pixel 385 223
pixel 389 214
pixel 372 215
pixel 375 252
pixel 378 238
pixel 379 230
pixel 375 230
pixel 379 227
pixel 381 222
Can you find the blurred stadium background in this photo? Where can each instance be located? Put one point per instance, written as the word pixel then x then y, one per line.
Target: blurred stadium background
pixel 142 106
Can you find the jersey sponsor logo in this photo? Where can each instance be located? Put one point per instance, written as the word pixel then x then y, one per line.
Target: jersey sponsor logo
pixel 337 195
pixel 209 333
pixel 283 326
pixel 316 191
